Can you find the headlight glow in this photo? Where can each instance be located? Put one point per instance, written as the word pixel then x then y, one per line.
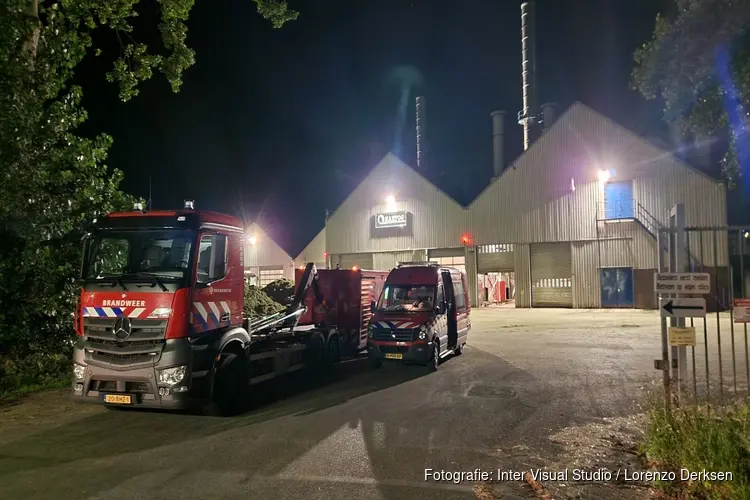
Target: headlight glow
pixel 172 376
pixel 78 371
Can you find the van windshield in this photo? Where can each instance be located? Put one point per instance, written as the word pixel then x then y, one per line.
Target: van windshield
pixel 407 298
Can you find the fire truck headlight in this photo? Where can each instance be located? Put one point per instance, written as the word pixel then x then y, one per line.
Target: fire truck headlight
pixel 79 371
pixel 422 332
pixel 172 376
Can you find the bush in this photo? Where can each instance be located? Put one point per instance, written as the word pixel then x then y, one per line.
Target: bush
pixel 698 439
pixel 34 372
pixel 281 291
pixel 258 303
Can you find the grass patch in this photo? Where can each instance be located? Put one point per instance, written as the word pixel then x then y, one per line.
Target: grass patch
pixel 38 372
pixel 701 438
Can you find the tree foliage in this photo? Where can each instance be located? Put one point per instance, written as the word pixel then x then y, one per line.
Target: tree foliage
pixel 698 62
pixel 281 291
pixel 53 180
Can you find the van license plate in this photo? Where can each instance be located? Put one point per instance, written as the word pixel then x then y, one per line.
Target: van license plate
pixel 390 355
pixel 118 399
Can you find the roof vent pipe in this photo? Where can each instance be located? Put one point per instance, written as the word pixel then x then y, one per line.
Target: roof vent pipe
pixel 549 114
pixel 498 141
pixel 528 115
pixel 421 146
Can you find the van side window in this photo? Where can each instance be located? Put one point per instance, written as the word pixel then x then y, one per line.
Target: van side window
pixel 458 289
pixel 440 296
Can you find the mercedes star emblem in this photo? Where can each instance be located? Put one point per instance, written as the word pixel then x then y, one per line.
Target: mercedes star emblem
pixel 122 328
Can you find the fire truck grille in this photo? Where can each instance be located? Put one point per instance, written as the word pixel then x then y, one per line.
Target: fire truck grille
pixel 144 345
pixel 394 335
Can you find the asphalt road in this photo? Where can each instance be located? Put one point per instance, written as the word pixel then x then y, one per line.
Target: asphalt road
pixel 367 435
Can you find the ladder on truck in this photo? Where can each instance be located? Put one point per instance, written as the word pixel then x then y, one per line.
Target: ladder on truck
pixel 287 320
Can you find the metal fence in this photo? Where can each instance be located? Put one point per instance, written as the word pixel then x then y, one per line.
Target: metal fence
pixel 703 285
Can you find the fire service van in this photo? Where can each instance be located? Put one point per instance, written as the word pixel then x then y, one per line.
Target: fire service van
pixel 422 316
pixel 160 321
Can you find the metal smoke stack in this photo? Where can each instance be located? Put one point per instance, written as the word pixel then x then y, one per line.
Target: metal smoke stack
pixel 498 133
pixel 421 145
pixel 528 115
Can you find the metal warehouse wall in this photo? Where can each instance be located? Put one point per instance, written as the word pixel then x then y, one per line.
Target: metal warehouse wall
pixel 534 200
pixel 437 220
pixel 315 251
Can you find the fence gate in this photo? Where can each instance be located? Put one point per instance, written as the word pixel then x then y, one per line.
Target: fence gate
pixel 703 282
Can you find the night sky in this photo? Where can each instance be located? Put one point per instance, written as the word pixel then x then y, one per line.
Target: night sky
pixel 280 125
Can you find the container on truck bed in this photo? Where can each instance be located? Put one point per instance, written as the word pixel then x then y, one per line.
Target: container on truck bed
pixel 346 296
pixel 160 322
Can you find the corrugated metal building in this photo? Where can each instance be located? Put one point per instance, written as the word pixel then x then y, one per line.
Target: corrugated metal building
pixel 314 252
pixel 578 213
pixel 571 223
pixel 395 215
pixel 265 260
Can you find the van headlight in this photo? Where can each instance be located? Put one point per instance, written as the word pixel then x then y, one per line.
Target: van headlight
pixel 422 332
pixel 172 376
pixel 79 371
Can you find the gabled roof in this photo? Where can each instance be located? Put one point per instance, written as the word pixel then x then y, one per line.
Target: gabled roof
pixel 390 160
pixel 573 116
pixel 264 251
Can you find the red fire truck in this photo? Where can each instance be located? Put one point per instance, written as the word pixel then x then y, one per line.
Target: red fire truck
pixel 160 320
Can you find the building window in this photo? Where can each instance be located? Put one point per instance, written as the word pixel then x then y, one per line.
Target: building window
pixel 618 200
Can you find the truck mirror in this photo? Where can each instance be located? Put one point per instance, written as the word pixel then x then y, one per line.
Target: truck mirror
pixel 373 306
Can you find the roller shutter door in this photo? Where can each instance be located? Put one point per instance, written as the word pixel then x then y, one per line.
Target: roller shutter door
pixel 495 258
pixel 551 276
pixel 267 274
pixel 385 261
pixel 360 260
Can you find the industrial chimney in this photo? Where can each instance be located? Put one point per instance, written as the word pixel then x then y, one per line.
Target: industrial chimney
pixel 498 141
pixel 421 146
pixel 549 115
pixel 528 115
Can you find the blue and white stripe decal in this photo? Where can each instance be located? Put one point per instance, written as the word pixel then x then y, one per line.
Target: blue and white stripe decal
pixel 394 325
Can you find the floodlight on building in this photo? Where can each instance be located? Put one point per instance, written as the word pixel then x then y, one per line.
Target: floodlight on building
pixel 355 268
pixel 252 240
pixel 390 201
pixel 604 176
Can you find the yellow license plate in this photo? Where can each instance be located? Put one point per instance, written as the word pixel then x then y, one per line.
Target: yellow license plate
pixel 389 355
pixel 118 399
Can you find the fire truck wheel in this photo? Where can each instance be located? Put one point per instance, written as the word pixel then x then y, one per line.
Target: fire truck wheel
pixel 315 352
pixel 230 382
pixel 334 349
pixel 434 363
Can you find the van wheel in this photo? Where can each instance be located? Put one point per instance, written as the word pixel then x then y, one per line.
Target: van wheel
pixel 459 350
pixel 230 384
pixel 434 363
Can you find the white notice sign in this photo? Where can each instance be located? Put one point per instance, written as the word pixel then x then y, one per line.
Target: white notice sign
pixel 699 283
pixel 683 308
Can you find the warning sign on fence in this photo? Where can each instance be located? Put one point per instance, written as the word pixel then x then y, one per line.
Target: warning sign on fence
pixel 693 283
pixel 741 310
pixel 682 336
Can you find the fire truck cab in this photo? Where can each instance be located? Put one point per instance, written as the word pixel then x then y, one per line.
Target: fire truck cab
pixel 422 316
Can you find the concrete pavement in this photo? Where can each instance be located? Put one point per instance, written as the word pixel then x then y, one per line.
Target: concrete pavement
pixel 370 435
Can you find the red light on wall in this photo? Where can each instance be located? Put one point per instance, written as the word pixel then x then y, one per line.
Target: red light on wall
pixel 325 255
pixel 466 239
pixel 355 268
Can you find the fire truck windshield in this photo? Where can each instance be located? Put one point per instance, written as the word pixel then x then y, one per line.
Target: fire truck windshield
pixel 130 254
pixel 407 298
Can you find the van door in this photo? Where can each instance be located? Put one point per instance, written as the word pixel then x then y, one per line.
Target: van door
pixel 450 299
pixel 463 323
